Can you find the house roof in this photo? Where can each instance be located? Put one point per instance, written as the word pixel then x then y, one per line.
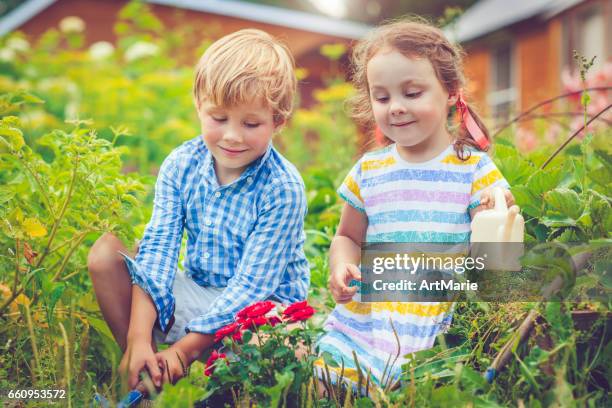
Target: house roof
pixel 21 14
pixel 487 16
pixel 232 8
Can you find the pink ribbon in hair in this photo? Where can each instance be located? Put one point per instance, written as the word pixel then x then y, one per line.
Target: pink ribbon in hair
pixel 470 124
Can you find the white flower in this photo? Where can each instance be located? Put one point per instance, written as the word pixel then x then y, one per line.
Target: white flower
pixel 71 111
pixel 72 24
pixel 140 49
pixel 101 50
pixel 7 54
pixel 18 44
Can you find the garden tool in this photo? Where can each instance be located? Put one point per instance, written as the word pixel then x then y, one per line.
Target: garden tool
pixel 523 331
pixel 130 400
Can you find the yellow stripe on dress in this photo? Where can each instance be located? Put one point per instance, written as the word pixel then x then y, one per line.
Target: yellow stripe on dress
pixel 400 307
pixel 453 159
pixel 350 374
pixel 353 187
pixel 486 180
pixel 376 164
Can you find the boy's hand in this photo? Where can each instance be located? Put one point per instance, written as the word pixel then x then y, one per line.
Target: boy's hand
pixel 138 356
pixel 339 280
pixel 487 199
pixel 174 364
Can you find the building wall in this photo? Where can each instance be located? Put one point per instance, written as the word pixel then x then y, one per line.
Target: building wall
pixel 542 49
pixel 537 61
pixel 476 67
pixel 536 64
pixel 101 15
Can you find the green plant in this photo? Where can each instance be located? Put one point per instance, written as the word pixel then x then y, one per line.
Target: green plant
pixel 270 360
pixel 49 218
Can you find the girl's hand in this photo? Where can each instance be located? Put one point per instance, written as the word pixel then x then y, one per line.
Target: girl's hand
pixel 339 280
pixel 487 199
pixel 138 356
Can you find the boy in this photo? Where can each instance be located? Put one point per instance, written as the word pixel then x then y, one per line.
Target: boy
pixel 241 203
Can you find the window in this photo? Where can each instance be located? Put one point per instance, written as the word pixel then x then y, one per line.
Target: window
pixel 585 31
pixel 503 93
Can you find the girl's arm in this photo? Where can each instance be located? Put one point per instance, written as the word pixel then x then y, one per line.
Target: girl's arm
pixel 345 253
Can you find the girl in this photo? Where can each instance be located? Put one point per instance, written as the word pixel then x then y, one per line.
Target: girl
pixel 423 187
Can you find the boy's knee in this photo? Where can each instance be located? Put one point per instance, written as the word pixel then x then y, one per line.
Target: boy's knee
pixel 104 254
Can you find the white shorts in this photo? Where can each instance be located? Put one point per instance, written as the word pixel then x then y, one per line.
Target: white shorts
pixel 191 300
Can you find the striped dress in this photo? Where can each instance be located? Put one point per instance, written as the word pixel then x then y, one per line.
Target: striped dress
pixel 404 202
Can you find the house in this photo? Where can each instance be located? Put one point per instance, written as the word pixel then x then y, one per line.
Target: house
pixel 303 32
pixel 517 50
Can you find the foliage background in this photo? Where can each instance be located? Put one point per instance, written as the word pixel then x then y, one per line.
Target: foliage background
pixel 83 132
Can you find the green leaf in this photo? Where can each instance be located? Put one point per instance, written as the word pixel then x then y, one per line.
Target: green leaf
pixel 183 394
pixel 515 170
pixel 6 194
pixel 501 151
pixel 557 221
pixel 603 268
pixel 12 137
pixel 473 378
pixel 254 367
pixel 566 201
pixel 560 321
pixel 526 200
pixel 544 180
pixel 283 381
pixel 329 359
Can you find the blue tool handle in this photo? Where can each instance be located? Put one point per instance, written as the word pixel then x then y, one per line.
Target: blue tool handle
pixel 130 400
pixel 490 374
pixel 100 401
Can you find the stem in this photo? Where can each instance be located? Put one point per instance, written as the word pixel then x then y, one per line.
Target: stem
pixel 69 241
pixel 16 281
pixel 62 212
pixel 558 114
pixel 546 102
pixel 33 340
pixel 15 294
pixel 67 258
pixel 40 187
pixel 66 363
pixel 569 139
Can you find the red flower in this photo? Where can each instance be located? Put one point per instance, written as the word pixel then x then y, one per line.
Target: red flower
pixel 226 331
pixel 302 314
pixel 250 323
pixel 256 310
pixel 273 321
pixel 295 307
pixel 237 337
pixel 298 311
pixel 210 363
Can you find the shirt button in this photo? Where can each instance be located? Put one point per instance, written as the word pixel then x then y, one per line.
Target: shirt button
pixel 218 194
pixel 206 255
pixel 250 179
pixel 208 221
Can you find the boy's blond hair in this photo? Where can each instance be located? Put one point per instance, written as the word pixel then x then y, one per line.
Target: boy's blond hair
pixel 245 66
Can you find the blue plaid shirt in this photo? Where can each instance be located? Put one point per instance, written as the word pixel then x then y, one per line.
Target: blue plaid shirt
pixel 246 236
